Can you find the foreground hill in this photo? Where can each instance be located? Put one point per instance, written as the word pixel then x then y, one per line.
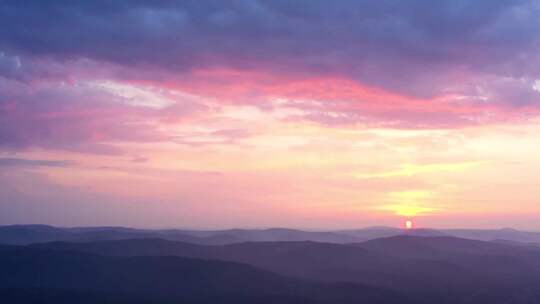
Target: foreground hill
pixel 63 276
pixel 322 261
pixel 441 269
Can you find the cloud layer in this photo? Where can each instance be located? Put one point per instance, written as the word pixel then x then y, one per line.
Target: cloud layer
pixel 313 109
pixel 445 63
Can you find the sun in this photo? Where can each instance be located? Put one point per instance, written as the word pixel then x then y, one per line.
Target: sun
pixel 409 224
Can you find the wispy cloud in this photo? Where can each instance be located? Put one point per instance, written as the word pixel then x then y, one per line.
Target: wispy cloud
pixel 466 62
pixel 22 162
pixel 306 107
pixel 417 169
pixel 410 203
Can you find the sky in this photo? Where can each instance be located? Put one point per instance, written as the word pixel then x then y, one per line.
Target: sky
pixel 304 114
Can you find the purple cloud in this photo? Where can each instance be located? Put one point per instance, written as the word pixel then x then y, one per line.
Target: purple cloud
pixel 398 46
pixel 482 52
pixel 79 117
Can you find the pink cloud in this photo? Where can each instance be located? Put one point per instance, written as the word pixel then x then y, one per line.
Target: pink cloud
pixel 334 100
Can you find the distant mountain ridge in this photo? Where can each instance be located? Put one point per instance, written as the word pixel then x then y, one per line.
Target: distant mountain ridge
pixel 27 234
pixel 422 268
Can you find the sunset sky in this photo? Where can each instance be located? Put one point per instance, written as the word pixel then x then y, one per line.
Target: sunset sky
pixel 303 114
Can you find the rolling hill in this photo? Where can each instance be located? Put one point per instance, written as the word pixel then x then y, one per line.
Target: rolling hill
pixel 28 273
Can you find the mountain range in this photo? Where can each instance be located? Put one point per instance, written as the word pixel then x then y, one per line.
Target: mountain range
pixel 412 267
pixel 27 234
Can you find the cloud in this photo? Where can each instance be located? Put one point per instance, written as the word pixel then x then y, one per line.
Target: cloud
pixel 410 203
pixel 217 137
pixel 381 43
pixel 82 117
pixel 139 159
pixel 22 162
pixel 409 210
pixel 419 64
pixel 417 169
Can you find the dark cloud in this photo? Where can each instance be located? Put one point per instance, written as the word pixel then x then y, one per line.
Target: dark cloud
pixel 483 52
pixel 407 46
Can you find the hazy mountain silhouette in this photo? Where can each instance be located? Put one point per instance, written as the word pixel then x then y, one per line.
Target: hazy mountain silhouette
pixel 323 261
pixel 516 243
pixel 419 265
pixel 422 267
pixel 27 234
pixel 406 246
pixel 488 235
pixel 29 273
pixel 283 234
pixel 371 233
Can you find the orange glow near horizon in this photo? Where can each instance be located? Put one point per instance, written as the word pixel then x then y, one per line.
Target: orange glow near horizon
pixel 240 164
pixel 303 175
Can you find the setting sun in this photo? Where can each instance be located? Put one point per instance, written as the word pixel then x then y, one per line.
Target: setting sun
pixel 408 224
pixel 291 151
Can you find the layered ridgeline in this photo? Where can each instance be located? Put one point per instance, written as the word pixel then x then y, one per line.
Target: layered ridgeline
pixel 396 269
pixel 27 234
pixel 36 275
